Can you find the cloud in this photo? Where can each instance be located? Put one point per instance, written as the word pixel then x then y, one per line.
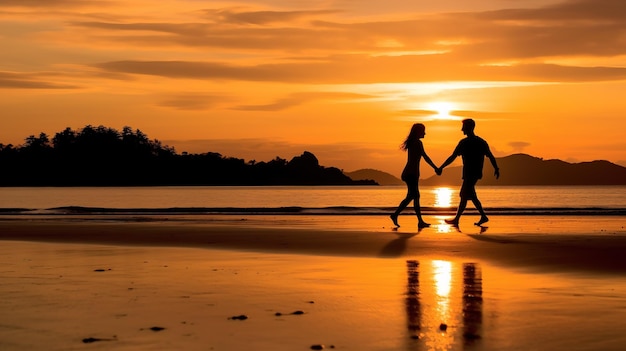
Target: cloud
pixel 416 113
pixel 424 115
pixel 13 80
pixel 483 115
pixel 193 101
pixel 519 146
pixel 364 69
pixel 318 46
pixel 475 37
pixel 52 3
pixel 302 98
pixel 572 10
pixel 232 16
pixel 545 44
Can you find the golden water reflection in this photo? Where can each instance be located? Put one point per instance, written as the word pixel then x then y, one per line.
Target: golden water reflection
pixel 442 276
pixel 441 226
pixel 443 197
pixel 444 308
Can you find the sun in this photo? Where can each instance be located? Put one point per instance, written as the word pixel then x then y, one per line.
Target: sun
pixel 443 109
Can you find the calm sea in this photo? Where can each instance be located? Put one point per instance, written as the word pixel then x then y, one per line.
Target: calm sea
pixel 583 200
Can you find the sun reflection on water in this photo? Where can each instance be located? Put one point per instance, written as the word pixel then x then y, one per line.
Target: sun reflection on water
pixel 442 277
pixel 442 273
pixel 443 197
pixel 445 307
pixel 441 226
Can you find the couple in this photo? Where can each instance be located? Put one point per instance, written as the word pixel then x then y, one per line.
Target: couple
pixel 472 149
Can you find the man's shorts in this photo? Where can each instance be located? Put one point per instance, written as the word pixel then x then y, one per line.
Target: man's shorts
pixel 468 189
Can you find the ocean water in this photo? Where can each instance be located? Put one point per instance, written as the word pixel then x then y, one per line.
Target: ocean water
pixel 345 200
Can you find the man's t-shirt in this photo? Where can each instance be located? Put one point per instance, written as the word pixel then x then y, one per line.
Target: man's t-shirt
pixel 473 150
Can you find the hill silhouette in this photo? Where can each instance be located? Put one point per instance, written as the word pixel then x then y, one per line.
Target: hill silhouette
pixel 380 177
pixel 102 156
pixel 523 169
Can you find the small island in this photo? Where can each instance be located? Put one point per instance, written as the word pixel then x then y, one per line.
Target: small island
pixel 102 156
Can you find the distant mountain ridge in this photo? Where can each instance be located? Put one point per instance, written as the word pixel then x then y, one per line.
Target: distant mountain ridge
pixel 523 169
pixel 380 177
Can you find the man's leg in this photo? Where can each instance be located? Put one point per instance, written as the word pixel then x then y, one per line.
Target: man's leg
pixel 462 204
pixel 467 192
pixel 483 217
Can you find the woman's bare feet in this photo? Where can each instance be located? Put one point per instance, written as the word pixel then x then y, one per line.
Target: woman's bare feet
pixel 421 225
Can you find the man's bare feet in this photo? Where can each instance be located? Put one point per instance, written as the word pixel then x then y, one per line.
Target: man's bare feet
pixel 394 218
pixel 453 222
pixel 482 220
pixel 421 225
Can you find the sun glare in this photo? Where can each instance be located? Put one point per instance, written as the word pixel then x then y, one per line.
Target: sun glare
pixel 442 109
pixel 443 197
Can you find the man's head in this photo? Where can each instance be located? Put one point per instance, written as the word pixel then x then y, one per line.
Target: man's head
pixel 468 126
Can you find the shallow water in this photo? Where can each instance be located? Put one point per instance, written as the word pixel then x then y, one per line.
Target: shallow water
pixel 572 197
pixel 52 299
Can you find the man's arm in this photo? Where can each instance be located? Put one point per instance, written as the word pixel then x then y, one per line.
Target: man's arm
pixel 493 163
pixel 448 161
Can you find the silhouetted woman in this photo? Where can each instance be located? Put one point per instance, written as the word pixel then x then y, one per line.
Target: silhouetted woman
pixel 411 173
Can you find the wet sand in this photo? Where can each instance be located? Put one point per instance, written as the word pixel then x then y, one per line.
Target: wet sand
pixel 347 284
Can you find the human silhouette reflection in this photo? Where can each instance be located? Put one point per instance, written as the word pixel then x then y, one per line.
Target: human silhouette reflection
pixel 472 302
pixel 412 299
pixel 426 331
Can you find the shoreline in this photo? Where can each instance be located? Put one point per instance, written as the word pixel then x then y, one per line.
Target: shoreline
pixel 539 243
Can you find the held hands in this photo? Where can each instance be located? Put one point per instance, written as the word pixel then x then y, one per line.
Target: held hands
pixel 438 170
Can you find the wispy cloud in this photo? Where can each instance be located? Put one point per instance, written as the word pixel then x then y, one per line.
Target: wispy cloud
pixel 237 16
pixel 302 98
pixel 193 101
pixel 321 47
pixel 13 80
pixel 519 146
pixel 365 69
pixel 53 3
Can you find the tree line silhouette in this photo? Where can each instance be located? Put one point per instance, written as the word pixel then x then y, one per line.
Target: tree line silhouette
pixel 103 156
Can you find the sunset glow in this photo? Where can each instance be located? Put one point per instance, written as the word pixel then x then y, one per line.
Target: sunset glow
pixel 443 110
pixel 343 80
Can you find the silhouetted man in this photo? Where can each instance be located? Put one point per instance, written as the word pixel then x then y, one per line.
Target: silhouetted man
pixel 473 150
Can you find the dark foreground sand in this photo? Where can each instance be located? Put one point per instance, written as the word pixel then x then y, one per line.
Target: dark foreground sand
pixel 527 283
pixel 553 243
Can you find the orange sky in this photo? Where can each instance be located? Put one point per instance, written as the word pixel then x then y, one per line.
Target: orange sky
pixel 343 79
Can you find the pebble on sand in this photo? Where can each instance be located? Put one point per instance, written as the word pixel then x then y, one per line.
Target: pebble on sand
pixel 90 339
pixel 241 317
pixel 297 313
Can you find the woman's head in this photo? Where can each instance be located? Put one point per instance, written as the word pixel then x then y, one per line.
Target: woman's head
pixel 418 131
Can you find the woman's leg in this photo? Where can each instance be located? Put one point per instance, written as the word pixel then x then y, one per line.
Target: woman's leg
pixel 418 209
pixel 410 196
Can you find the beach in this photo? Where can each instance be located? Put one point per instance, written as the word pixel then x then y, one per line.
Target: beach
pixel 302 282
